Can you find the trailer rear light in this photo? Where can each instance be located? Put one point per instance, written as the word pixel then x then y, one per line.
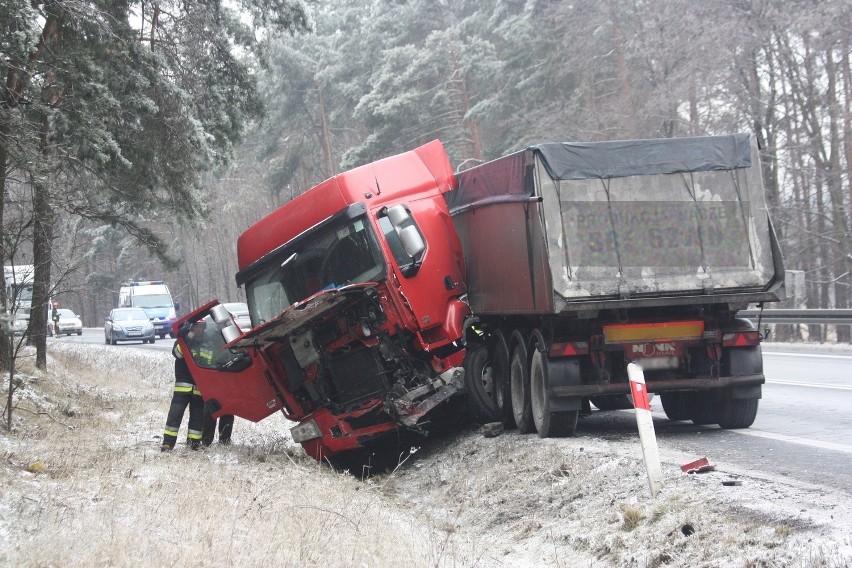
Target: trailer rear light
pixel 568 349
pixel 305 431
pixel 668 330
pixel 741 339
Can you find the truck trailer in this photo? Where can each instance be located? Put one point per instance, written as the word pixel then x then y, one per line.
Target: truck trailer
pixel 523 286
pixel 583 257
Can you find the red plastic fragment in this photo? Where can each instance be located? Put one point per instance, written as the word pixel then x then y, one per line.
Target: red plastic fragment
pixel 698 466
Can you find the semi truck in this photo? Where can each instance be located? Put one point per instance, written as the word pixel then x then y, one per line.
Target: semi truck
pixel 523 286
pixel 18 281
pixel 154 297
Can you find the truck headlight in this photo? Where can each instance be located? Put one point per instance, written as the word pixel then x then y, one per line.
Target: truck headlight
pixel 305 431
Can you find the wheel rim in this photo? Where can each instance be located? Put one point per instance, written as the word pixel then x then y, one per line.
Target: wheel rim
pixel 486 377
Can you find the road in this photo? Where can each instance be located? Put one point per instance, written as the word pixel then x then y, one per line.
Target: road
pixel 95 335
pixel 803 428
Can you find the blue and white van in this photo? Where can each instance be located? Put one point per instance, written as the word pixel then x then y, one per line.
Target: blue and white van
pixel 154 297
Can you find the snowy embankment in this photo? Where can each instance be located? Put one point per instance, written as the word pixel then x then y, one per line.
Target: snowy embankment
pixel 84 483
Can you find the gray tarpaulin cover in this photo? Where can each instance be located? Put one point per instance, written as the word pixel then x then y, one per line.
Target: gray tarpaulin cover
pixel 504 179
pixel 591 160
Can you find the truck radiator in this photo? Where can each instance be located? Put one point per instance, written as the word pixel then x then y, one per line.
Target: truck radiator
pixel 357 374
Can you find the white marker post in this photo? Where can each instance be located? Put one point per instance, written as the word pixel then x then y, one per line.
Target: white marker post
pixel 647 437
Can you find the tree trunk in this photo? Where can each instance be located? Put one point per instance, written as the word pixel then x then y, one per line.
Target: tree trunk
pixel 5 345
pixel 43 221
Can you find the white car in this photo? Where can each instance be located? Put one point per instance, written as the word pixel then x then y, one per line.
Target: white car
pixel 69 323
pixel 240 312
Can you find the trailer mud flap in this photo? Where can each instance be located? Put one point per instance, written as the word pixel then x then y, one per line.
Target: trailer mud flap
pixel 563 372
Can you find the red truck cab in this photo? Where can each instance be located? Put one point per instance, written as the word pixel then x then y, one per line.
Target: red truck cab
pixel 353 290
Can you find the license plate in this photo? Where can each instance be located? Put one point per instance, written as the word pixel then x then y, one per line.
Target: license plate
pixel 134 333
pixel 659 363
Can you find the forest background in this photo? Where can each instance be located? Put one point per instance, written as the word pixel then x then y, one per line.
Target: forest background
pixel 139 138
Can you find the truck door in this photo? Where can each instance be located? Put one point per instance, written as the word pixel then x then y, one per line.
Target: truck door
pixel 233 380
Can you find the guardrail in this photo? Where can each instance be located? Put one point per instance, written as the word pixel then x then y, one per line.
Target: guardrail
pixel 782 315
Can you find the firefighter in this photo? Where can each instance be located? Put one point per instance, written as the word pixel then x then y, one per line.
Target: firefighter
pixel 54 316
pixel 185 394
pixel 225 425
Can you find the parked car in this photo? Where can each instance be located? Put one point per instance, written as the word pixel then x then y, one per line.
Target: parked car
pixel 128 324
pixel 240 312
pixel 69 323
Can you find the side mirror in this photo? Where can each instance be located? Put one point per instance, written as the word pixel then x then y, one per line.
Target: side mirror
pixel 398 215
pixel 412 242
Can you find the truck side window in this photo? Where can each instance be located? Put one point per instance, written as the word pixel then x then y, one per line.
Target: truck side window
pixel 207 351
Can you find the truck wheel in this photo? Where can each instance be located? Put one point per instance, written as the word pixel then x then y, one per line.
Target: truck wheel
pixel 612 402
pixel 736 413
pixel 674 405
pixel 480 383
pixel 549 423
pixel 702 407
pixel 520 381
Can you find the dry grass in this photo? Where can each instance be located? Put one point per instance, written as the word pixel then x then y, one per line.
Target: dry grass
pixel 631 517
pixel 84 484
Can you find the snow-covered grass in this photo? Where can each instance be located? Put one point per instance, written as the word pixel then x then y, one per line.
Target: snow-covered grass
pixel 83 483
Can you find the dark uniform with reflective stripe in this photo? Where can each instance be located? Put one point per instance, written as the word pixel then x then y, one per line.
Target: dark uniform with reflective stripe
pixel 185 394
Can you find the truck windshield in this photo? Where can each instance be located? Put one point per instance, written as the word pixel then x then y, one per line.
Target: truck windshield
pixel 334 256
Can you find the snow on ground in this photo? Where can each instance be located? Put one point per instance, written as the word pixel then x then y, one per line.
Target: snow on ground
pixel 83 483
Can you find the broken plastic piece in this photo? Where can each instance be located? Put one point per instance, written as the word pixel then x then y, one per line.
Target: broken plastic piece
pixel 698 466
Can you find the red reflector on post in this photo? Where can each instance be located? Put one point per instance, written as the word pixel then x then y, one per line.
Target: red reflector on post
pixel 741 339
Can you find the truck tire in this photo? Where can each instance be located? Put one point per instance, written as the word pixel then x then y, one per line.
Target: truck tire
pixel 702 407
pixel 480 384
pixel 674 405
pixel 520 387
pixel 736 412
pixel 549 423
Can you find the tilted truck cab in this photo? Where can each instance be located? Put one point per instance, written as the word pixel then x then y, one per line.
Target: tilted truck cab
pixel 353 290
